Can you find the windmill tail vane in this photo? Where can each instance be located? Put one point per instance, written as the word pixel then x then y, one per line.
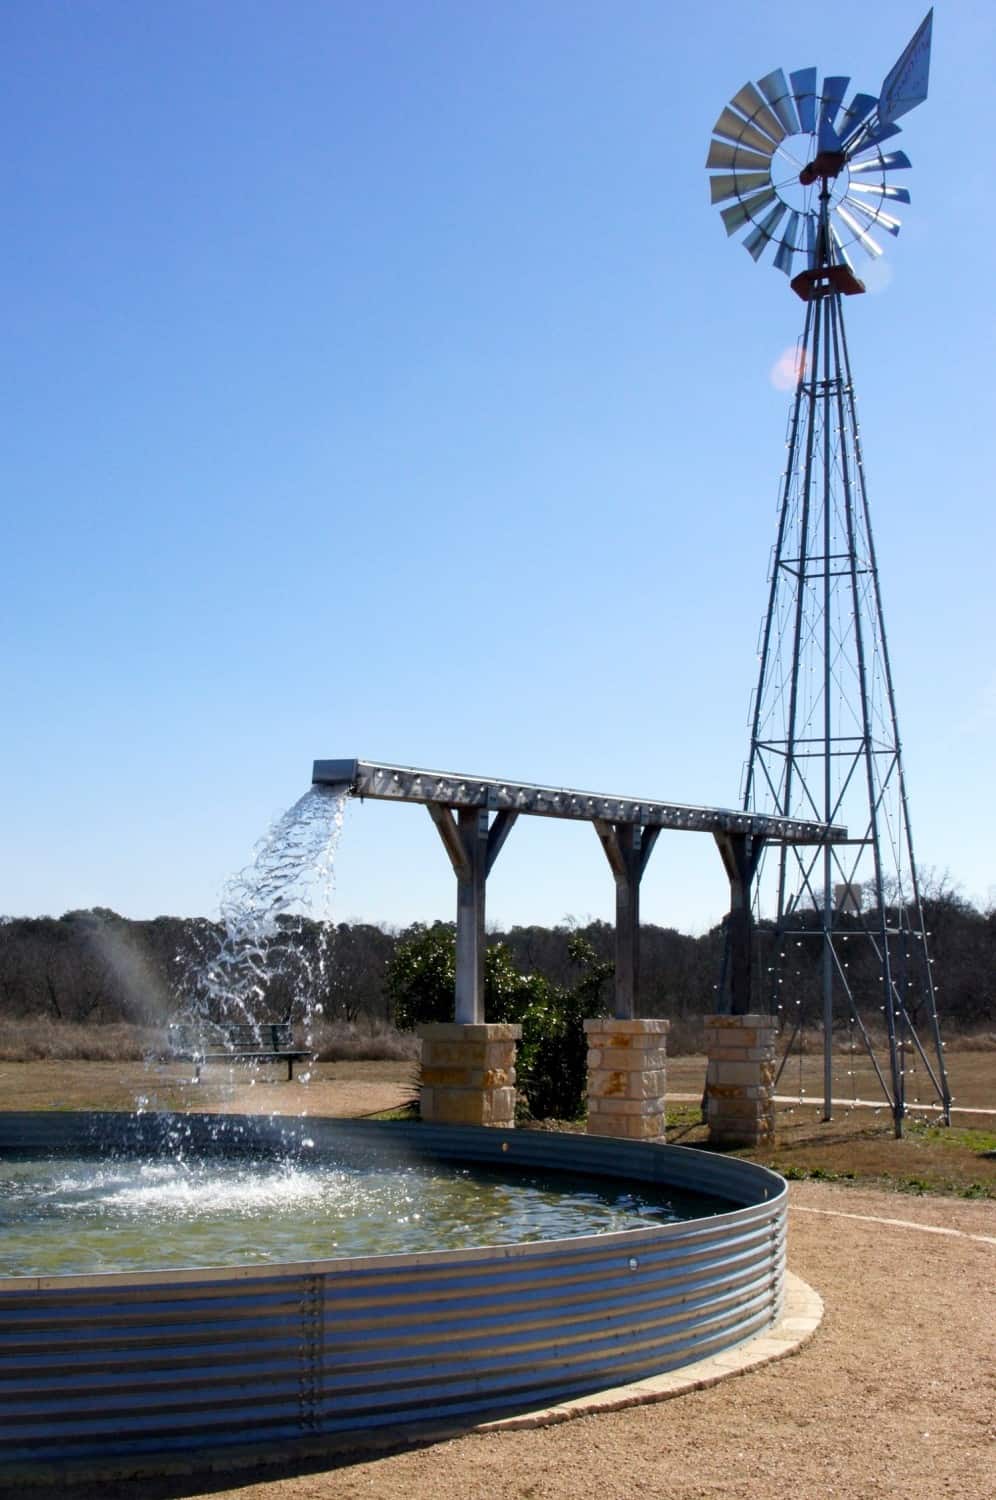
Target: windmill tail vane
pixel 802 168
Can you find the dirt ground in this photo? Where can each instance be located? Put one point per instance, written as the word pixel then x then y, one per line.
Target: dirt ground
pixel 858 1143
pixel 895 1395
pixel 346 1089
pixel 365 1087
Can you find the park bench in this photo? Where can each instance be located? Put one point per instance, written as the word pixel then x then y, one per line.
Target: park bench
pixel 216 1041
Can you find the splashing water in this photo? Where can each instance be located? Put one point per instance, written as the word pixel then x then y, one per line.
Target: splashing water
pixel 272 953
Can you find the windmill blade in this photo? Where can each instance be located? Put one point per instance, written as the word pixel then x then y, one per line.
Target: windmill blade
pixel 783 259
pixel 878 216
pixel 895 161
pixel 840 247
pixel 723 155
pixel 832 97
pixel 804 93
pixel 834 90
pixel 873 134
pixel 776 90
pixel 905 85
pixel 857 111
pixel 763 233
pixel 872 246
pixel 733 128
pixel 793 234
pixel 732 185
pixel 750 103
pixel 811 235
pixel 882 189
pixel 787 249
pixel 741 213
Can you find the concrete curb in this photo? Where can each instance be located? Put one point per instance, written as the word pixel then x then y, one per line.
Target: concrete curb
pixel 802 1314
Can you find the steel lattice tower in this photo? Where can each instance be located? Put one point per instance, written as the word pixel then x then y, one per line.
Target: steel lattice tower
pixel 845 919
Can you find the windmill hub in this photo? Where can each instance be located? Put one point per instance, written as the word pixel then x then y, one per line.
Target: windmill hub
pixel 827 164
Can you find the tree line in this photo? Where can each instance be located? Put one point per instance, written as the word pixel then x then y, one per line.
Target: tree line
pixel 95 967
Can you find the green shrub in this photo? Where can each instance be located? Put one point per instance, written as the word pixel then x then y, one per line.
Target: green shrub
pixel 420 976
pixel 552 1056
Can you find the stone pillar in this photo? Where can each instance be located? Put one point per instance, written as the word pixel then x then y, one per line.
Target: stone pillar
pixel 740 1081
pixel 626 1077
pixel 468 1074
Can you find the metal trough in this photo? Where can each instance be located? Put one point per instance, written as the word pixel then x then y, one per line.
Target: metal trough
pixel 174 1362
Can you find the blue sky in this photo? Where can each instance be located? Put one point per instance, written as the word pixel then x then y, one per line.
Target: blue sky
pixel 380 383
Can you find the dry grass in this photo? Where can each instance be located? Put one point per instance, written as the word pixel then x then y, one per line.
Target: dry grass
pixel 369 1039
pixel 685 1038
pixel 971 1041
pixel 366 1041
pixel 810 1040
pixel 37 1038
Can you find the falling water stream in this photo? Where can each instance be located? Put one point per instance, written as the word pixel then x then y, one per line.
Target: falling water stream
pixel 264 908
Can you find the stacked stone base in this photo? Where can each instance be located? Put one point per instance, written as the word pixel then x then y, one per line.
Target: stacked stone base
pixel 740 1081
pixel 468 1074
pixel 626 1078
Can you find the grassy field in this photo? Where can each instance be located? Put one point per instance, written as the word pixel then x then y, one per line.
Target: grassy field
pixel 858 1144
pixel 858 1147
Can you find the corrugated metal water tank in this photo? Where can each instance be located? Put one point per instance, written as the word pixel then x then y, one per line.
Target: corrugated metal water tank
pixel 171 1362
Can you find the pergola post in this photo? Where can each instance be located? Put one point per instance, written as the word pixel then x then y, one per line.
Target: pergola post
pixel 471 877
pixel 472 846
pixel 626 1055
pixel 628 847
pixel 740 1044
pixel 468 1066
pixel 741 854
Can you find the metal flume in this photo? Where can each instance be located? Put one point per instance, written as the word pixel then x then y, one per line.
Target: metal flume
pixel 454 789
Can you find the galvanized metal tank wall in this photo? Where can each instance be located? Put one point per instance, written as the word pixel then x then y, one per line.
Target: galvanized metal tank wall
pixel 175 1361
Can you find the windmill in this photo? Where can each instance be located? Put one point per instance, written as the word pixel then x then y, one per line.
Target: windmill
pixel 805 168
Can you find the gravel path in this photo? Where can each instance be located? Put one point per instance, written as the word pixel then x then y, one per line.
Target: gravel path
pixel 894 1396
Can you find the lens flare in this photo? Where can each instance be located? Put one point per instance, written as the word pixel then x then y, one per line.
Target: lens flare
pixel 787 369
